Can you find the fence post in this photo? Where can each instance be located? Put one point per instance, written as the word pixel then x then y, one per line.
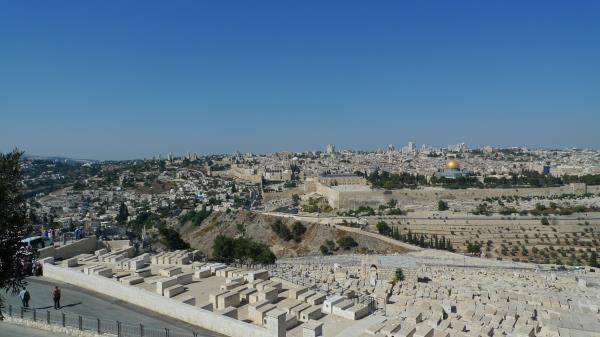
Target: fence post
pixel 166 332
pixel 98 322
pixel 10 310
pixel 141 330
pixel 34 315
pixel 22 312
pixel 48 316
pixel 63 319
pixel 80 323
pixel 118 329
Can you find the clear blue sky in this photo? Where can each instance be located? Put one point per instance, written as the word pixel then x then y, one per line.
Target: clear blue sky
pixel 128 79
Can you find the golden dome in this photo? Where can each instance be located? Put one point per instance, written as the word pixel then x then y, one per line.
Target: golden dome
pixel 452 164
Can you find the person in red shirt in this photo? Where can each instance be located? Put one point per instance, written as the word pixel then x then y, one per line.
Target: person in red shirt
pixel 56 297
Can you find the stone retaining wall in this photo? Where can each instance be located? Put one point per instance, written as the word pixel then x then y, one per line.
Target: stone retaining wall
pixel 83 246
pixel 165 306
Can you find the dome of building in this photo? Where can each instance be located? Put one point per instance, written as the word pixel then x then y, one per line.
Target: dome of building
pixel 452 164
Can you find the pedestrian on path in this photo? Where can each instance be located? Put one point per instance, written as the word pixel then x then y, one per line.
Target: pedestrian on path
pixel 56 297
pixel 24 296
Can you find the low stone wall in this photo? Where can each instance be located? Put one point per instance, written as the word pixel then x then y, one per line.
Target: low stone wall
pixel 83 246
pixel 50 327
pixel 165 306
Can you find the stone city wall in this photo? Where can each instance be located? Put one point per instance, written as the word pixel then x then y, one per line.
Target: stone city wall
pixel 151 301
pixel 240 174
pixel 376 197
pixel 268 196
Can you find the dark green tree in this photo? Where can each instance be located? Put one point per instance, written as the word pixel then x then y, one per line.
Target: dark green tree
pixel 594 260
pixel 398 275
pixel 442 205
pixel 330 244
pixel 298 229
pixel 383 228
pixel 172 240
pixel 13 224
pixel 295 199
pixel 281 230
pixel 346 242
pixel 123 214
pixel 228 249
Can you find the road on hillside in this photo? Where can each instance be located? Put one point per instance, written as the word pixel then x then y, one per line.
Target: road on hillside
pixel 77 301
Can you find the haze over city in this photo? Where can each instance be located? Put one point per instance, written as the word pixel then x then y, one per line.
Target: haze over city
pixel 113 80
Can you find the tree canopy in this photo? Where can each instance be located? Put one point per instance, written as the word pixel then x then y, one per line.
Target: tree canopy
pixel 228 249
pixel 13 223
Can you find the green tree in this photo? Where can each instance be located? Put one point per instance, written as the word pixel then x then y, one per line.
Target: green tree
pixel 346 242
pixel 298 229
pixel 383 228
pixel 544 221
pixel 442 205
pixel 228 249
pixel 172 240
pixel 123 214
pixel 295 199
pixel 398 275
pixel 473 248
pixel 13 224
pixel 281 230
pixel 392 203
pixel 594 260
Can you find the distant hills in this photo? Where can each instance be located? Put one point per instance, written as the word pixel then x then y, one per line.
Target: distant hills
pixel 62 159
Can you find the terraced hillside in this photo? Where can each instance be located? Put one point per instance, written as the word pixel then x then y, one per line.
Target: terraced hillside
pixel 557 240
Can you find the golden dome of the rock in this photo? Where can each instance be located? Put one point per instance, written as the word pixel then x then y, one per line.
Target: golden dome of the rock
pixel 452 164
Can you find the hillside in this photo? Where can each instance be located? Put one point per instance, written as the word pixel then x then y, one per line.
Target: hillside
pixel 258 228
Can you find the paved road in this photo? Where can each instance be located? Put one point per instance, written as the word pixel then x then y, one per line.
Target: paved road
pixel 10 330
pixel 77 301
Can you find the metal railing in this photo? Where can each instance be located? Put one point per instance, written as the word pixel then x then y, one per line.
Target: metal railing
pixel 92 324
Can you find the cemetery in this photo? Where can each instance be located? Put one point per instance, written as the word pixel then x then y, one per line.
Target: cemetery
pixel 437 294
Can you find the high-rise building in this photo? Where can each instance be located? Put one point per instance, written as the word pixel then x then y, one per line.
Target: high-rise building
pixel 411 148
pixel 330 149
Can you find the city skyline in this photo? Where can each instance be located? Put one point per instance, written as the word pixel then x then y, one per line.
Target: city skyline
pixel 400 148
pixel 117 81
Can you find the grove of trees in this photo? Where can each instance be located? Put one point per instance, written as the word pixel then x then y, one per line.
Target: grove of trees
pixel 241 250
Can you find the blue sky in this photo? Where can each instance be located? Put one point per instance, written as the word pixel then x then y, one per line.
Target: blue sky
pixel 129 79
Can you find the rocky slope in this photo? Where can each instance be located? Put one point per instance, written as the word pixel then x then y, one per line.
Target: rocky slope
pixel 258 228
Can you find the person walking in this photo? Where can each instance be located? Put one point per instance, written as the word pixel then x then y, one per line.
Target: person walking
pixel 56 297
pixel 25 296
